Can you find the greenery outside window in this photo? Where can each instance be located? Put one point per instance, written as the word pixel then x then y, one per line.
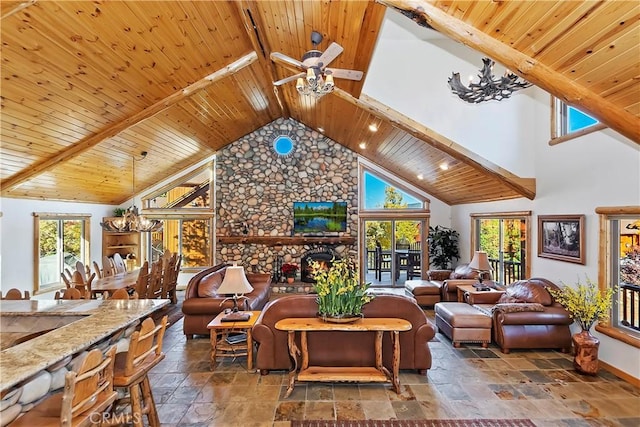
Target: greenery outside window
pixel 619 267
pixel 61 240
pixel 505 238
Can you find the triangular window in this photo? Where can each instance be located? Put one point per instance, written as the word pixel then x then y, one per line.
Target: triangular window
pixel 381 193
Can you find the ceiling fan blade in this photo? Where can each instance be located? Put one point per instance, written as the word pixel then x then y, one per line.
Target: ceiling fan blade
pixel 330 54
pixel 281 58
pixel 288 79
pixel 339 73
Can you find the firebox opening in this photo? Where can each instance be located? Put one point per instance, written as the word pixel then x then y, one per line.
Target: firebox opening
pixel 322 255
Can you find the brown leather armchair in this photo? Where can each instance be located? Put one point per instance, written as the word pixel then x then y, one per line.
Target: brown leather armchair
pixel 448 280
pixel 202 302
pixel 520 327
pixel 335 348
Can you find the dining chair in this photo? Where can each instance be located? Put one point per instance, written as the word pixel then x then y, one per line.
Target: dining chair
pixel 154 289
pixel 382 262
pixel 15 294
pixel 84 271
pixel 123 294
pixel 142 282
pixel 170 272
pixel 97 270
pixel 71 293
pixel 414 265
pixel 107 267
pixel 85 399
pixel 119 263
pixel 131 372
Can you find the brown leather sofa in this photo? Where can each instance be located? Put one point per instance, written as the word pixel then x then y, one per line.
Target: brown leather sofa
pixel 448 280
pixel 335 348
pixel 526 316
pixel 202 303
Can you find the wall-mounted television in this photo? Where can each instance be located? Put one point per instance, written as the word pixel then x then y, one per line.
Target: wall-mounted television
pixel 319 217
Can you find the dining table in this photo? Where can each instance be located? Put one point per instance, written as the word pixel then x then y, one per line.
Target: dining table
pixel 111 284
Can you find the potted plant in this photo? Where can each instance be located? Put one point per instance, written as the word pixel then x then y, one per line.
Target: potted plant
pixel 443 246
pixel 289 270
pixel 586 304
pixel 341 295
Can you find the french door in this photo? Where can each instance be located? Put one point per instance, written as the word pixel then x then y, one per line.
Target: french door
pixel 506 240
pixel 393 251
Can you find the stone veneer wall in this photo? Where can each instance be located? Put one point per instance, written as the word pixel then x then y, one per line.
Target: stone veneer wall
pixel 256 186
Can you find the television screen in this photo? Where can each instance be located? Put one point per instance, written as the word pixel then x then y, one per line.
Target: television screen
pixel 319 217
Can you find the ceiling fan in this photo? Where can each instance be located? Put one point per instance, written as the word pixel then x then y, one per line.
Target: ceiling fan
pixel 316 79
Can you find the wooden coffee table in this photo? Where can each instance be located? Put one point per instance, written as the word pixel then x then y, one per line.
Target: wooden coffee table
pixel 219 331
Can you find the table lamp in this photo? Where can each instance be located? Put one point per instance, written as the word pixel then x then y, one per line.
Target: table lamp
pixel 480 263
pixel 235 282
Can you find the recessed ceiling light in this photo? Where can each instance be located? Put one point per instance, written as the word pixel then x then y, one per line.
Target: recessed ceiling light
pixel 363 145
pixel 444 166
pixel 373 127
pixel 321 130
pixel 420 176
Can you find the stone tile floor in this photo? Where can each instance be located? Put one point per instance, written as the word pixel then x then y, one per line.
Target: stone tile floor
pixel 470 382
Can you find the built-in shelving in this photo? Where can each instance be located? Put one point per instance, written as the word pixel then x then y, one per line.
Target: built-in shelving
pixel 287 240
pixel 124 243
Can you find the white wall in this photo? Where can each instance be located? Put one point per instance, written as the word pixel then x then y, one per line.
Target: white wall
pixel 574 177
pixel 17 236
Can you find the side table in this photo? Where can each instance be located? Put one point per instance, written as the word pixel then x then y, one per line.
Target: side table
pixel 465 290
pixel 219 332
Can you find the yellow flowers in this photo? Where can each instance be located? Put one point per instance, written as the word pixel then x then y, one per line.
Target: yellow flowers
pixel 339 290
pixel 585 302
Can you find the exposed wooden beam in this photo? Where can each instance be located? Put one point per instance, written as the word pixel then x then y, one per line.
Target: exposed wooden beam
pixel 527 67
pixel 93 140
pixel 524 186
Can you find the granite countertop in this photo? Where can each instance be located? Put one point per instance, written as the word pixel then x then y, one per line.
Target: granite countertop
pixel 103 318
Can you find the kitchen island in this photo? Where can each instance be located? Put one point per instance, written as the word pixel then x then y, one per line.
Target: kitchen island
pixel 91 323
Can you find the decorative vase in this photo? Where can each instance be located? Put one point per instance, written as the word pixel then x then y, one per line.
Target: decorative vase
pixel 347 318
pixel 290 279
pixel 585 347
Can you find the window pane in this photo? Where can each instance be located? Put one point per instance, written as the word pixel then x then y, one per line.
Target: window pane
pixel 195 243
pixel 49 265
pixel 379 194
pixel 191 192
pixel 577 120
pixel 628 269
pixel 72 242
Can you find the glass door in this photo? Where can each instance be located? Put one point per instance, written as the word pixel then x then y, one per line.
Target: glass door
pixel 504 240
pixel 393 251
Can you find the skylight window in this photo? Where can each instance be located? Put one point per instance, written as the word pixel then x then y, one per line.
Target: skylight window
pixel 570 120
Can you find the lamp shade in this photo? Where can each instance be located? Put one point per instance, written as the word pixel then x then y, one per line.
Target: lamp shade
pixel 480 261
pixel 235 281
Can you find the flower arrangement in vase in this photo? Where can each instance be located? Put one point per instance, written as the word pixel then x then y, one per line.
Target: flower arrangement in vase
pixel 341 295
pixel 289 270
pixel 586 304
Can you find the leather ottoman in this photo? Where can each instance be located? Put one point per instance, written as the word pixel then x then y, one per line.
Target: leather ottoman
pixel 425 292
pixel 461 322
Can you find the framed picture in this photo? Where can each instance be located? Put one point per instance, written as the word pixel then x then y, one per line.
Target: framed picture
pixel 561 237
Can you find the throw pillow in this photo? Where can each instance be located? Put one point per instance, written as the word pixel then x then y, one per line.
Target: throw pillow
pixel 208 287
pixel 506 298
pixel 517 307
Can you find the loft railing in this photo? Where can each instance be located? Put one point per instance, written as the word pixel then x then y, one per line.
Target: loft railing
pixel 630 304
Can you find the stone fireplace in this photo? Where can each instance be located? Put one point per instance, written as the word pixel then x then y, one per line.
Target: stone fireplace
pixel 324 255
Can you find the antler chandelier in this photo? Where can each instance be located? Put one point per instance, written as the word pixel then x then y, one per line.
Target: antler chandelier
pixel 316 83
pixel 489 87
pixel 132 220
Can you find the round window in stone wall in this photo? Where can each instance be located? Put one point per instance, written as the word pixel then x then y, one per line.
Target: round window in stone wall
pixel 283 145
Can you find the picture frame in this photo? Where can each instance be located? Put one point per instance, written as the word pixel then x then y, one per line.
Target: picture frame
pixel 561 237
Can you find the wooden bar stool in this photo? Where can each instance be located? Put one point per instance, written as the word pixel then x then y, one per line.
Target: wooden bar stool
pixel 87 394
pixel 131 369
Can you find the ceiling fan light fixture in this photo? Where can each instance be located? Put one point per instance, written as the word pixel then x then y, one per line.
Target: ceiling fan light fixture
pixel 316 84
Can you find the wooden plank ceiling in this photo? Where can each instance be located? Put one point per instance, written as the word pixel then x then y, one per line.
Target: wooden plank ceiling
pixel 88 86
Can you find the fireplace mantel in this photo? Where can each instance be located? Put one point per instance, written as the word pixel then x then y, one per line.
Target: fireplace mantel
pixel 287 240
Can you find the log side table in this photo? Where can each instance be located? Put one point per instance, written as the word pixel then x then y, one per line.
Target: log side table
pixel 347 373
pixel 464 291
pixel 219 332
